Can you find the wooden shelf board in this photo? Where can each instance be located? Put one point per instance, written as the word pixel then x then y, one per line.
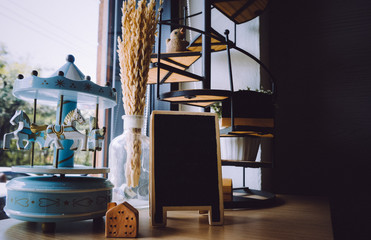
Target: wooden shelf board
pixel 182 62
pixel 255 122
pixel 241 131
pixel 250 164
pixel 200 104
pixel 152 75
pixel 173 78
pixel 176 78
pixel 216 44
pixel 176 54
pixel 241 11
pixel 195 97
pixel 247 133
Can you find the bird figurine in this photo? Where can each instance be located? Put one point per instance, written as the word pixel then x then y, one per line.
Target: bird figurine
pixel 176 42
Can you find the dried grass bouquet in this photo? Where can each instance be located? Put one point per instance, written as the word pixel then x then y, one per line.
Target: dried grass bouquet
pixel 139 26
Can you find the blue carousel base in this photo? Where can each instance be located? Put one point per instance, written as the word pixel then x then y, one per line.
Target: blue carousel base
pixel 56 199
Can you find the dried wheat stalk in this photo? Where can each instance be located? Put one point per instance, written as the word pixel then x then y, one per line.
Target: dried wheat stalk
pixel 134 50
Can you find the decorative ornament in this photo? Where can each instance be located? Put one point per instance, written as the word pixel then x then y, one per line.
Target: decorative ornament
pixel 177 42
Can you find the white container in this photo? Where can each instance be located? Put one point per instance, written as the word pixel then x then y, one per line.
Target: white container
pixel 239 148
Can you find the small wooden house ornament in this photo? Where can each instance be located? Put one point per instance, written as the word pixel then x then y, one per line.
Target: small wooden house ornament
pixel 122 220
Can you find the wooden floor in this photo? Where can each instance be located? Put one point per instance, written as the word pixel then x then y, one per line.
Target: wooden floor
pixel 296 217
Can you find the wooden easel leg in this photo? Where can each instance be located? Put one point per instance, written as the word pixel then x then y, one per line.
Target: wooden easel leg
pixel 159 218
pixel 216 216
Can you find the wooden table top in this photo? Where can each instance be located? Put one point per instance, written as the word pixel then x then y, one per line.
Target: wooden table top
pixel 297 217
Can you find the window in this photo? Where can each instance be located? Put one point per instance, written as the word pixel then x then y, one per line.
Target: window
pixel 38 35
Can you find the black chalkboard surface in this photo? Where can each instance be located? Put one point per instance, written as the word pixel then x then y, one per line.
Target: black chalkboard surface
pixel 185 165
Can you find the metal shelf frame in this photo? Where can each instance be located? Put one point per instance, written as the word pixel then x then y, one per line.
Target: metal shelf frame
pixel 190 96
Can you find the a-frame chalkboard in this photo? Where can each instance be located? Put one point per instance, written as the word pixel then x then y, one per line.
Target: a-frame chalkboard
pixel 185 165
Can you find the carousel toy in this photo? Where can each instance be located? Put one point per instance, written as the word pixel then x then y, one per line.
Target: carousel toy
pixel 62 191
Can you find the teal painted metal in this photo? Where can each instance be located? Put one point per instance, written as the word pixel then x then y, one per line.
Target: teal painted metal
pixel 56 199
pixel 67 81
pixel 65 156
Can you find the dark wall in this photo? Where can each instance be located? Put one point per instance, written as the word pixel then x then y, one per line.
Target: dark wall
pixel 319 52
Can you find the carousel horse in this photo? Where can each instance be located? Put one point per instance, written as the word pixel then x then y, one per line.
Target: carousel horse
pixel 95 136
pixel 24 132
pixel 55 133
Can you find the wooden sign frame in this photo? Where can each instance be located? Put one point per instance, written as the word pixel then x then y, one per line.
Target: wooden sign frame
pixel 178 179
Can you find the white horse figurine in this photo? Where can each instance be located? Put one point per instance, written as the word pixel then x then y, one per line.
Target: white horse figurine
pixel 24 132
pixel 95 136
pixel 55 133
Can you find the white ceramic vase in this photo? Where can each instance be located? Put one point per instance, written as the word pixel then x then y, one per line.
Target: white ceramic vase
pixel 239 148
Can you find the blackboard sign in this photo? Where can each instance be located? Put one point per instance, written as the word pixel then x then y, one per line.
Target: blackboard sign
pixel 185 165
